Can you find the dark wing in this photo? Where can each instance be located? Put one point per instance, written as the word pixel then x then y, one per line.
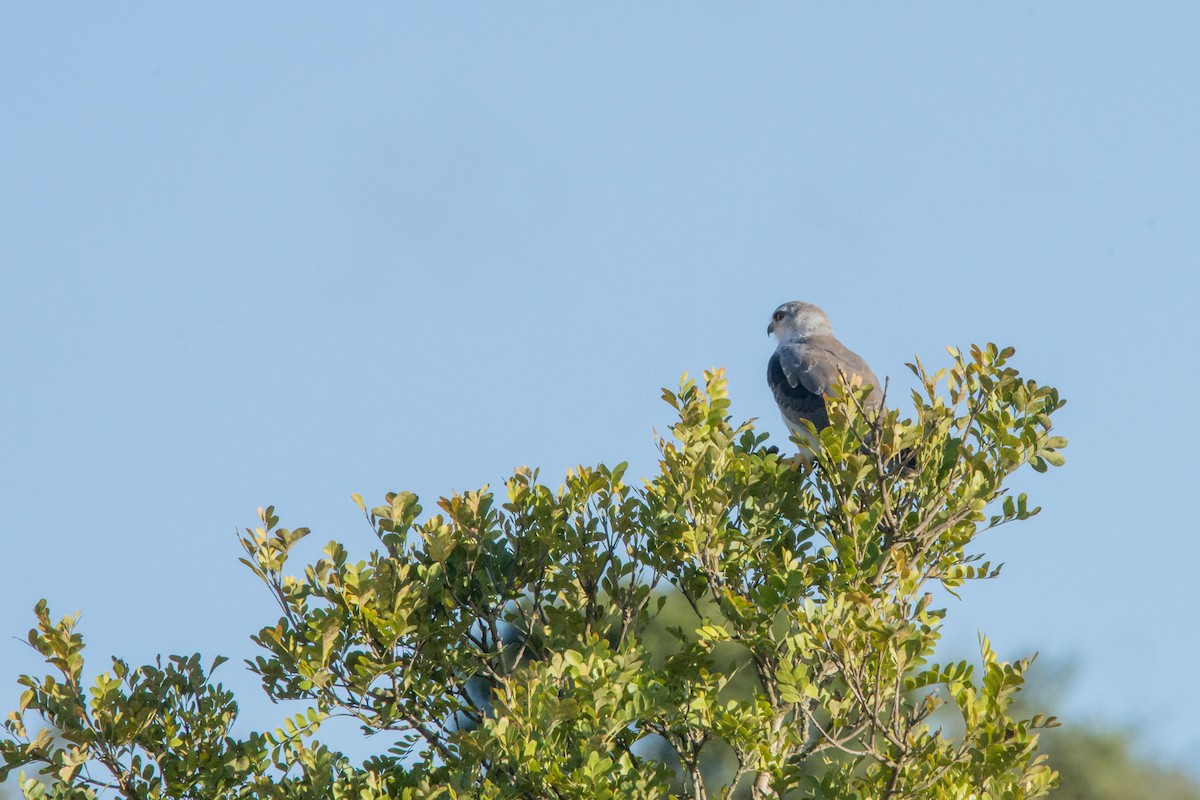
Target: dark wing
pixel 796 392
pixel 801 373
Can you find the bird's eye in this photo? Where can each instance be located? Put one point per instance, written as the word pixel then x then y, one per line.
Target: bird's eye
pixel 778 316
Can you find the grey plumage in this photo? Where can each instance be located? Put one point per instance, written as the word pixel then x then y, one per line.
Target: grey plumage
pixel 807 363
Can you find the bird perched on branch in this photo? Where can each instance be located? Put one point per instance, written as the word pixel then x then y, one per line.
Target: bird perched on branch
pixel 808 361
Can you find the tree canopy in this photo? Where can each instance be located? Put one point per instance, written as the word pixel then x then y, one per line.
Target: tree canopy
pixel 507 641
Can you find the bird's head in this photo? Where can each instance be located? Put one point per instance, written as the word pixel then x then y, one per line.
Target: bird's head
pixel 798 320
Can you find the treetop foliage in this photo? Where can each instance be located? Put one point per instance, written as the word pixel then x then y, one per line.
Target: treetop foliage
pixel 507 642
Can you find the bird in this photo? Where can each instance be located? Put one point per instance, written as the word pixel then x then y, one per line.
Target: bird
pixel 806 364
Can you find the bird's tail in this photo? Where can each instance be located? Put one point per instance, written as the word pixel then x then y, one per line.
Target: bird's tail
pixel 904 462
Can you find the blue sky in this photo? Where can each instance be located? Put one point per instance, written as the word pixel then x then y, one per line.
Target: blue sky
pixel 276 254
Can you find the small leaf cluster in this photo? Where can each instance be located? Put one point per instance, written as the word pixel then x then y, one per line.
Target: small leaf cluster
pixel 508 643
pixel 161 730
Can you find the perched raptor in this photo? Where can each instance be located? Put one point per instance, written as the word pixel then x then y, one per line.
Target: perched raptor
pixel 807 363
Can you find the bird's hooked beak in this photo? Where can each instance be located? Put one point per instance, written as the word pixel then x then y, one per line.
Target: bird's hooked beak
pixel 771 328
